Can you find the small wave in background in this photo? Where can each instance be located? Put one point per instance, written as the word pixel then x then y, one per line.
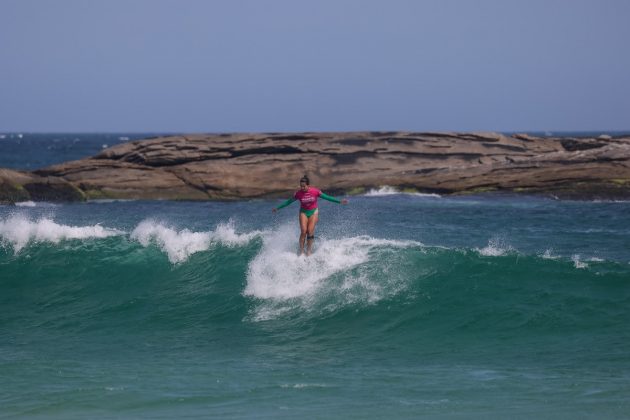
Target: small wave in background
pixel 387 190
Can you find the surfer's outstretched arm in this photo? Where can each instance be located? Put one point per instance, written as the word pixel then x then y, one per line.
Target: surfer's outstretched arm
pixel 286 203
pixel 333 199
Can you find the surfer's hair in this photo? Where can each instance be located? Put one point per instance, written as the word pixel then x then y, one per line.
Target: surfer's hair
pixel 305 180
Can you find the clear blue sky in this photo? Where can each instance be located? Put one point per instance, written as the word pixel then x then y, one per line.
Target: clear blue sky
pixel 320 65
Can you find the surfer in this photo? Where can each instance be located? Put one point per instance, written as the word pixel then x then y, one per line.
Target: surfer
pixel 309 215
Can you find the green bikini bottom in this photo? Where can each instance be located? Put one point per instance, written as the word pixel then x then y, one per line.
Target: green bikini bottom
pixel 308 213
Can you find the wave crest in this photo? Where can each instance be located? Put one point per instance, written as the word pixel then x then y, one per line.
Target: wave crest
pixel 18 231
pixel 180 245
pixel 387 190
pixel 339 268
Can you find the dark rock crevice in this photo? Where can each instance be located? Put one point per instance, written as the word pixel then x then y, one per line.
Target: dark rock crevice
pixel 573 145
pixel 190 184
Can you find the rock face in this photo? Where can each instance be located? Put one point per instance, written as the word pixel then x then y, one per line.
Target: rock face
pixel 18 186
pixel 231 166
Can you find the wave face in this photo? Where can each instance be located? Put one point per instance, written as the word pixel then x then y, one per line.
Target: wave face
pixel 489 290
pixel 139 316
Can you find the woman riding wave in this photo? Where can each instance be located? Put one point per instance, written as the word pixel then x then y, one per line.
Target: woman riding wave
pixel 309 214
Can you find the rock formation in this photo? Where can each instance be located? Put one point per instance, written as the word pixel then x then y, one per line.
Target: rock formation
pixel 233 166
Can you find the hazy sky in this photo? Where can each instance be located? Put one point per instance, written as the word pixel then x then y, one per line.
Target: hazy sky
pixel 293 65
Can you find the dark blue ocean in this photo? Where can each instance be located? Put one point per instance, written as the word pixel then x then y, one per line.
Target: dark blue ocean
pixel 488 306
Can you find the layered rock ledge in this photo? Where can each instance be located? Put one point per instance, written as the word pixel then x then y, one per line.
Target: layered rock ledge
pixel 234 166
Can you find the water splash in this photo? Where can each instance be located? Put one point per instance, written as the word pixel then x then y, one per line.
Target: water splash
pixel 387 190
pixel 18 231
pixel 496 247
pixel 179 245
pixel 284 281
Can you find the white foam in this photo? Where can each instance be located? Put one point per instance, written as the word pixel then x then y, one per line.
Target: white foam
pixel 387 190
pixel 278 272
pixel 18 231
pixel 112 200
pixel 225 233
pixel 180 245
pixel 304 385
pixel 285 281
pixel 548 255
pixel 496 247
pixel 577 263
pixel 36 204
pixel 26 204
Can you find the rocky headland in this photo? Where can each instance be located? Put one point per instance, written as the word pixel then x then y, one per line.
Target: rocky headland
pixel 235 166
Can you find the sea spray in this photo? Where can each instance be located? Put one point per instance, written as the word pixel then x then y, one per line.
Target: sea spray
pixel 26 204
pixel 284 281
pixel 18 231
pixel 388 190
pixel 179 245
pixel 497 246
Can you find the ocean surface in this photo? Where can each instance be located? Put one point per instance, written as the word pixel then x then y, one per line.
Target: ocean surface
pixel 411 306
pixel 30 151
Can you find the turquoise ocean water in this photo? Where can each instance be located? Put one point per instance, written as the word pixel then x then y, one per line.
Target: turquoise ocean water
pixel 412 305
